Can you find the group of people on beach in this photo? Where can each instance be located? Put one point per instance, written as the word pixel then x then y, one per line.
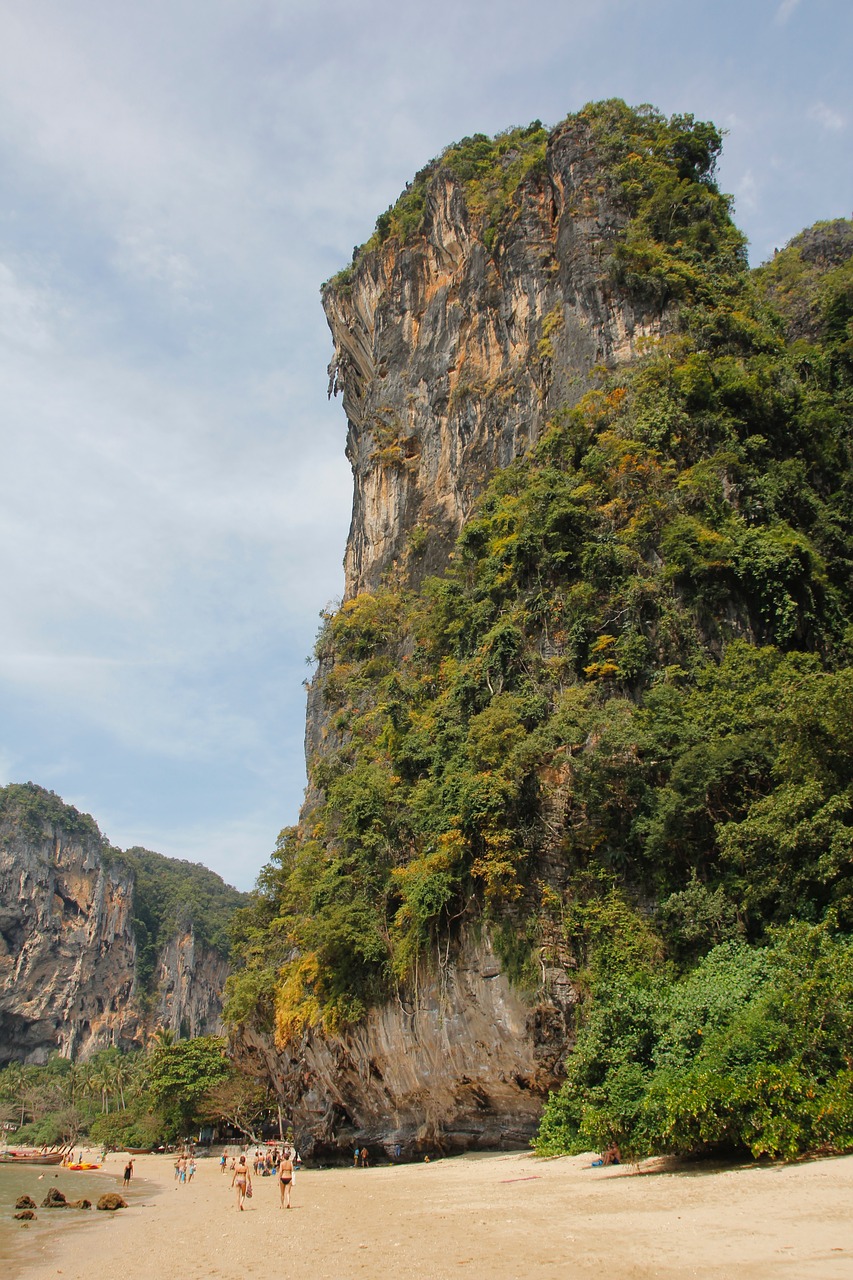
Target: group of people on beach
pixel 281 1165
pixel 185 1167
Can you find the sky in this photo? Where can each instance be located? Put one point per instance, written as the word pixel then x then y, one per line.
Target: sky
pixel 177 179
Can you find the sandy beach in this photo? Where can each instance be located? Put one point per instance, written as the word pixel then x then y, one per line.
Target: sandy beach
pixel 501 1216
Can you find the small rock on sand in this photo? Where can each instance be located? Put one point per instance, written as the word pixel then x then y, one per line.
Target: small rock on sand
pixel 112 1201
pixel 54 1200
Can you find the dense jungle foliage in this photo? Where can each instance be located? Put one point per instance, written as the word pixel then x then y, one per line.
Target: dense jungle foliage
pixel 618 731
pixel 30 808
pixel 135 1099
pixel 171 897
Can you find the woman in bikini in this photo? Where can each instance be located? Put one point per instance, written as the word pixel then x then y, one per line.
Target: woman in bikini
pixel 285 1178
pixel 242 1179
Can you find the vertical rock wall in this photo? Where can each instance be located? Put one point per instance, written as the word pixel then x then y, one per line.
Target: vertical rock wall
pixel 451 356
pixel 462 1061
pixel 68 951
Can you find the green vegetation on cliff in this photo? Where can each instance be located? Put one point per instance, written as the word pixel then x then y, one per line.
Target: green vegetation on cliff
pixel 28 808
pixel 618 728
pixel 172 897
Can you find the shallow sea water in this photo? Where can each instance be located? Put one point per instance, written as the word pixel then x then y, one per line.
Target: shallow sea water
pixel 17 1237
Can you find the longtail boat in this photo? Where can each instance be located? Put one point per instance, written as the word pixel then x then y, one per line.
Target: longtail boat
pixel 30 1157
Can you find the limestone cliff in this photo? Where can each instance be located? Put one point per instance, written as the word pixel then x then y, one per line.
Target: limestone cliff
pixel 68 946
pixel 462 1062
pixel 451 356
pixel 453 347
pixel 533 747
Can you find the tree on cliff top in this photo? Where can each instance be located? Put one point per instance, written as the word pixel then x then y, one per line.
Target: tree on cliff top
pixel 33 808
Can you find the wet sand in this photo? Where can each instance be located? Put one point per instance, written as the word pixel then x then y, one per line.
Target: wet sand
pixel 500 1217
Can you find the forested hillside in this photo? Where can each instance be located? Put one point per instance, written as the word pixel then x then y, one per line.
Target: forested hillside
pixel 616 732
pixel 173 896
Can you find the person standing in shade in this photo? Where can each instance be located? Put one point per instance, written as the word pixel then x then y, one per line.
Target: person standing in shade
pixel 285 1179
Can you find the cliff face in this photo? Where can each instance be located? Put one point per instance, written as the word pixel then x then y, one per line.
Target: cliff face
pixel 547 748
pixel 462 1062
pixel 451 356
pixel 188 987
pixel 68 953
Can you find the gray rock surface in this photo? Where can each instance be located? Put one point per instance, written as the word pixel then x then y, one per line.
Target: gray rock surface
pixel 68 952
pixel 462 1062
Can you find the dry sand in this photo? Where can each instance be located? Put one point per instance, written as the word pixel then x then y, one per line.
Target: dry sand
pixel 499 1217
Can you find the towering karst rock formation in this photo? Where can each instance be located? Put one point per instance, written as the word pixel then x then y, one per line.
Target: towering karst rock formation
pixel 453 347
pixel 586 467
pixel 451 355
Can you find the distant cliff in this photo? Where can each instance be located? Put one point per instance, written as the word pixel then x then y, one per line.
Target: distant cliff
pixel 79 969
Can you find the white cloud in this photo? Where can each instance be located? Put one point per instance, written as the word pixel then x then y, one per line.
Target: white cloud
pixel 827 117
pixel 141 252
pixel 27 313
pixel 746 192
pixel 785 10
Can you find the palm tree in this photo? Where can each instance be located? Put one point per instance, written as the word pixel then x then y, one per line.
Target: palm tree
pixel 163 1038
pixel 99 1083
pixel 14 1082
pixel 77 1081
pixel 85 1082
pixel 122 1076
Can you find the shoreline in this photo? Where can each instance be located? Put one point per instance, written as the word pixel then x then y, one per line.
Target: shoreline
pixel 53 1227
pixel 500 1215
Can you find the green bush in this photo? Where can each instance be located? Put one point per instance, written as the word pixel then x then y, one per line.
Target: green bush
pixel 748 1052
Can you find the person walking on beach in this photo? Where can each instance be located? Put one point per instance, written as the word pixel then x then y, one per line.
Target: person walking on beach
pixel 242 1180
pixel 285 1179
pixel 128 1173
